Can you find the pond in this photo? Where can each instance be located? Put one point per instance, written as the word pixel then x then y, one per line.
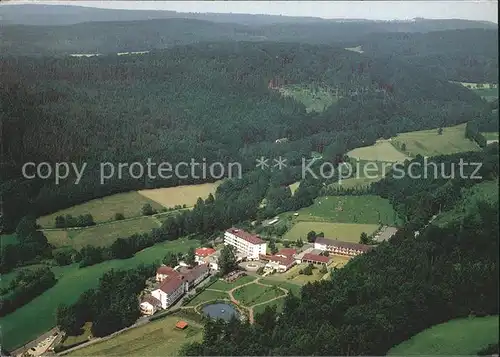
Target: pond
pixel 220 311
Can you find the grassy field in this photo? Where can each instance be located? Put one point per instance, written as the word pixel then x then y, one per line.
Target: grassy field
pixel 83 337
pixel 180 195
pixel 279 303
pixel 314 99
pixel 157 338
pixel 347 232
pixel 459 337
pixel 301 279
pixel 222 285
pixel 254 294
pixel 208 295
pixel 491 136
pixel 382 150
pixel 429 143
pixel 104 209
pixel 18 327
pixel 366 209
pixel 294 187
pixel 101 235
pixel 277 280
pixel 354 49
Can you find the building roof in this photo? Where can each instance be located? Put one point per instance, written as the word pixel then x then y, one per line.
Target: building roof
pixel 316 258
pixel 165 270
pixel 181 324
pixel 151 300
pixel 347 245
pixel 196 272
pixel 287 252
pixel 204 252
pixel 171 284
pixel 249 237
pixel 276 258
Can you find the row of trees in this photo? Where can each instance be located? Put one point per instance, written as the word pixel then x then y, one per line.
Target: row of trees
pixel 68 220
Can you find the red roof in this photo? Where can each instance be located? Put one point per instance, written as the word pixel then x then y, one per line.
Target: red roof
pixel 249 237
pixel 340 244
pixel 181 324
pixel 165 270
pixel 275 258
pixel 171 284
pixel 287 252
pixel 316 258
pixel 204 252
pixel 151 300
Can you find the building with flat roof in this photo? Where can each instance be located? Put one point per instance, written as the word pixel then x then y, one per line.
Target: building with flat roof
pixel 341 248
pixel 247 244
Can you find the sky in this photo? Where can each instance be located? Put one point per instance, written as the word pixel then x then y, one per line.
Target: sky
pixel 485 10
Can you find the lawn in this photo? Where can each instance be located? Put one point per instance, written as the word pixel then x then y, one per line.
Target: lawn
pixel 277 280
pixel 106 234
pixel 279 303
pixel 180 195
pixel 314 98
pixel 430 143
pixel 253 294
pixel 208 295
pixel 157 338
pixel 382 150
pixel 19 327
pixel 366 209
pixel 222 285
pixel 104 209
pixel 460 337
pixel 294 275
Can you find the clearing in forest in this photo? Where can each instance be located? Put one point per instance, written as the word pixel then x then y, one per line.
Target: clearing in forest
pixel 314 97
pixel 180 195
pixel 429 143
pixel 104 209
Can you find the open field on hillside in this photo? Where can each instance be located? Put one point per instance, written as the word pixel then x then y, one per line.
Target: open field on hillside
pixel 253 294
pixel 430 143
pixel 294 187
pixel 347 232
pixel 104 209
pixel 382 150
pixel 366 209
pixel 354 49
pixel 490 136
pixel 485 191
pixel 18 327
pixel 473 85
pixel 314 98
pixel 157 338
pixel 460 337
pixel 180 195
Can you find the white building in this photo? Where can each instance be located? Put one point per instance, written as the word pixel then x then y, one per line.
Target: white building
pixel 173 285
pixel 247 244
pixel 341 248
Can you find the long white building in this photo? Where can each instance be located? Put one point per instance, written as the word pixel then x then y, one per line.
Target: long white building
pixel 245 243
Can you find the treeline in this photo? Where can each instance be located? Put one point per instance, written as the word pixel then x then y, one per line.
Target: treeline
pixel 26 286
pixel 379 299
pixel 68 221
pixel 221 111
pixel 110 307
pixel 32 246
pixel 436 185
pixel 472 133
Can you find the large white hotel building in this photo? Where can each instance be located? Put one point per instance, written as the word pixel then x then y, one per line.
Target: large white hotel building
pixel 245 243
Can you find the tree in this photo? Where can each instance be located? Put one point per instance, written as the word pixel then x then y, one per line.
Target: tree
pixel 190 257
pixel 311 236
pixel 403 147
pixel 26 227
pixel 299 243
pixel 323 270
pixel 363 238
pixel 170 260
pixel 119 216
pixel 440 131
pixel 227 260
pixel 147 210
pixel 308 270
pixel 272 247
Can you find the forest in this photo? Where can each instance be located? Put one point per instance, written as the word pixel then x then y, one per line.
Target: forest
pixel 206 101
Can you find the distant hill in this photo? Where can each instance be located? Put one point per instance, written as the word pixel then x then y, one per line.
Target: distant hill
pixel 66 31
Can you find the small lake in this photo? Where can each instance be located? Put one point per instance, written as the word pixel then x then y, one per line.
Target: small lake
pixel 220 311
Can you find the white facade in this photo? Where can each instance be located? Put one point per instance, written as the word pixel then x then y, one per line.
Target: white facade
pixel 240 240
pixel 167 299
